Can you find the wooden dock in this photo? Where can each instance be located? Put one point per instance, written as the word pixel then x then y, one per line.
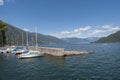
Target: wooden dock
pixel 59 51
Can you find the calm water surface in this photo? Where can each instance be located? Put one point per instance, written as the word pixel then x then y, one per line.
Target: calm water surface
pixel 103 65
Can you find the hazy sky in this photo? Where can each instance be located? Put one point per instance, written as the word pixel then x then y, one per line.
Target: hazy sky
pixel 63 18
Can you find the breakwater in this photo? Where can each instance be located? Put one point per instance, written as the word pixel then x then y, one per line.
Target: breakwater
pixel 58 51
pixel 49 51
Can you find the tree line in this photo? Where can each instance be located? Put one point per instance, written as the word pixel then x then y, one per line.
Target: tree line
pixel 3 29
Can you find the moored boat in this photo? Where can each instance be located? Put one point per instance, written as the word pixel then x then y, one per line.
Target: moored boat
pixel 30 54
pixel 5 50
pixel 18 50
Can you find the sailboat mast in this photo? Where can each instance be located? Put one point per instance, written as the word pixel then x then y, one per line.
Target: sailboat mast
pixel 36 38
pixel 27 38
pixel 22 38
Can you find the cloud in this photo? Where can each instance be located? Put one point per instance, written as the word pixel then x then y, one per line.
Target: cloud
pixel 97 32
pixel 1 2
pixel 82 29
pixel 111 28
pixel 73 33
pixel 105 30
pixel 25 29
pixel 65 32
pixel 88 31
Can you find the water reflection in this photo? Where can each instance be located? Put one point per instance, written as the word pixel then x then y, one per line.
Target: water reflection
pixel 27 60
pixel 59 61
pixel 1 57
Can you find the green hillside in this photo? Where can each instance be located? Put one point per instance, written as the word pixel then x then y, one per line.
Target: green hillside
pixel 14 37
pixel 115 37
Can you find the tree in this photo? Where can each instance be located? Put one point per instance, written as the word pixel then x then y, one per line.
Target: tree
pixel 3 29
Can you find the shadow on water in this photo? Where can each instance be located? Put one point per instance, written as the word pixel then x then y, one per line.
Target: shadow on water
pixel 1 57
pixel 30 60
pixel 4 56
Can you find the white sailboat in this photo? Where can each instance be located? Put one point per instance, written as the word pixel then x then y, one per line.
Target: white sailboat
pixel 19 49
pixel 32 53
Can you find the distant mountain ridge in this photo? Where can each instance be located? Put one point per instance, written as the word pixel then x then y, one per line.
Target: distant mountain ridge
pixel 14 37
pixel 75 40
pixel 113 38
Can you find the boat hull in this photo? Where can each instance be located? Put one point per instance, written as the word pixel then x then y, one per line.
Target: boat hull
pixel 18 53
pixel 30 54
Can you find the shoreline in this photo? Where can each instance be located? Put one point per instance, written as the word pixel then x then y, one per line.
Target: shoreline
pixel 57 52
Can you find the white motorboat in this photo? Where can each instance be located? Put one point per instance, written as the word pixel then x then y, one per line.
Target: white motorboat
pixel 0 51
pixel 5 50
pixel 18 50
pixel 30 54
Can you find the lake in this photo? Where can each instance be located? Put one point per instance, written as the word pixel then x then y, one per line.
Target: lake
pixel 103 65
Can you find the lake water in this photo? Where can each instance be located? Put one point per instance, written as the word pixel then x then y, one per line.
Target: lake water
pixel 103 65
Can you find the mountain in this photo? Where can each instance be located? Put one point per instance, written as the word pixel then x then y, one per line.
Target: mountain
pixel 14 37
pixel 115 37
pixel 74 40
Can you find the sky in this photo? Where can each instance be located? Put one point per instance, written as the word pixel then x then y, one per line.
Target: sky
pixel 63 18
